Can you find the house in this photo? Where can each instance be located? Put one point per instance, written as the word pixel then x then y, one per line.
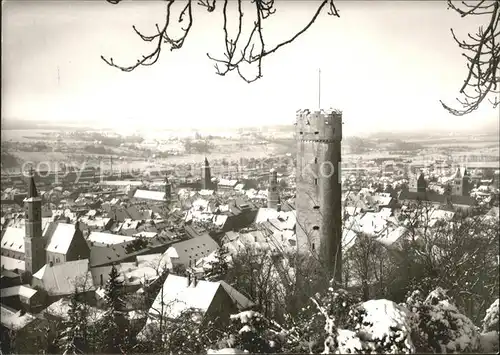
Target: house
pixel 9 278
pixel 133 274
pixel 226 184
pixel 187 252
pixel 21 332
pixel 212 301
pixel 458 202
pixel 104 255
pixel 61 279
pixel 12 244
pixel 59 310
pixel 66 244
pixel 22 297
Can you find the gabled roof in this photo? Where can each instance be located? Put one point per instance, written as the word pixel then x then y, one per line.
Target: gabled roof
pixel 21 290
pixel 239 299
pixel 178 296
pixel 61 308
pixel 13 319
pixel 61 238
pixel 192 249
pixel 13 239
pixel 104 255
pixel 392 237
pixel 60 279
pixel 12 264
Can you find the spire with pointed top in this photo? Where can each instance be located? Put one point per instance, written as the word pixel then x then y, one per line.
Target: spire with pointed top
pixel 32 192
pixel 206 162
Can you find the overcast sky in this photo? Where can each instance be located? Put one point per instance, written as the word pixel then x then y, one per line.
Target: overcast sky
pixel 385 64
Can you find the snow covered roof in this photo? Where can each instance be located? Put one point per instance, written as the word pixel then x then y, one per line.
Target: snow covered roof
pixel 13 239
pixel 227 182
pixel 12 264
pixel 15 320
pixel 179 296
pixel 219 220
pixel 60 279
pixel 61 238
pixel 108 238
pixel 199 204
pixel 286 220
pixel 392 237
pixel 145 235
pixel 150 195
pixel 160 261
pixel 191 250
pixel 22 290
pixel 61 309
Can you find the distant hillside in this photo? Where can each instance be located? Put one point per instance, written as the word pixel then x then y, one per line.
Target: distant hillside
pixel 9 161
pixel 8 124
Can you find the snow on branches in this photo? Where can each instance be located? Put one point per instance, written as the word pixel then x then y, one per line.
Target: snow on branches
pixel 439 326
pixel 489 337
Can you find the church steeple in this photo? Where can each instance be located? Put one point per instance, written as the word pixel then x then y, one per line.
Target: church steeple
pixel 32 191
pixel 168 190
pixel 206 176
pixel 34 248
pixel 273 194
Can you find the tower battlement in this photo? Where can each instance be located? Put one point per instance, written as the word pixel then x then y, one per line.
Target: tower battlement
pixel 319 125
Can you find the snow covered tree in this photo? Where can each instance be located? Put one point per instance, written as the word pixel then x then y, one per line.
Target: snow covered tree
pixel 307 330
pixel 72 337
pixel 218 267
pixel 250 331
pixel 438 326
pixel 489 336
pixel 186 334
pixel 115 322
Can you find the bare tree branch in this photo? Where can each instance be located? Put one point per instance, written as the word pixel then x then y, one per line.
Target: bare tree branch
pixel 232 58
pixel 482 52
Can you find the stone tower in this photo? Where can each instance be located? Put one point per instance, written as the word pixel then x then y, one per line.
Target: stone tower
pixel 34 245
pixel 272 193
pixel 206 176
pixel 421 183
pixel 461 183
pixel 168 190
pixel 319 192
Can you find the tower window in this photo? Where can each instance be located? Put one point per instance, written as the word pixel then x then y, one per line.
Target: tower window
pixel 316 228
pixel 315 181
pixel 316 132
pixel 315 160
pixel 313 246
pixel 316 207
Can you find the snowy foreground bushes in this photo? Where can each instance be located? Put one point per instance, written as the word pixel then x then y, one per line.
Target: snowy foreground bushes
pixel 338 323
